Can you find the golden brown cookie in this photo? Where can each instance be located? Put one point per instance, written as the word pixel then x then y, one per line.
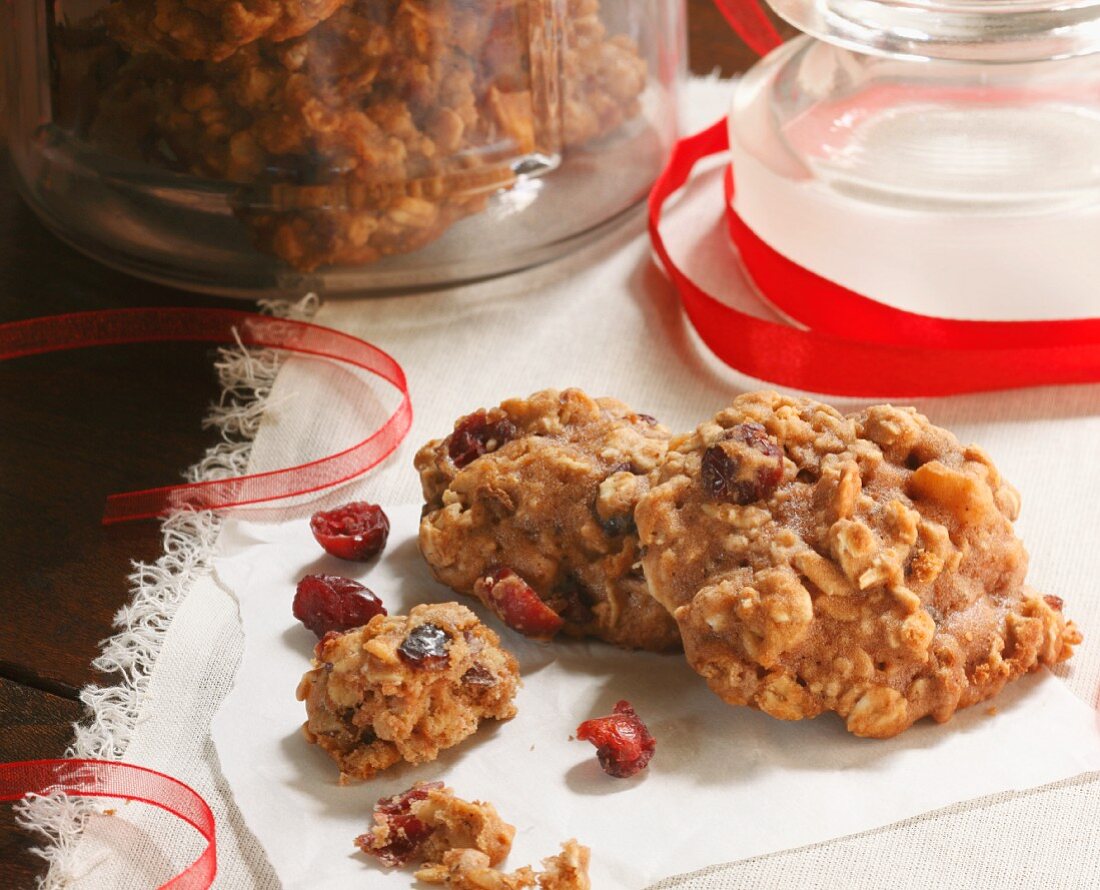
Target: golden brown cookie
pixel 530 508
pixel 602 77
pixel 427 821
pixel 210 30
pixel 864 564
pixel 371 131
pixel 405 688
pixel 306 112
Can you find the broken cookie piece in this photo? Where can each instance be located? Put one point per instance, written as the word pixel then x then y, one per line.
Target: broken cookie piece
pixel 461 842
pixel 405 688
pixel 427 821
pixel 568 870
pixel 471 870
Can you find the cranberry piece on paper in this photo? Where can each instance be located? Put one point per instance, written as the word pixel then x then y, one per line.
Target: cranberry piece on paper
pixel 326 603
pixel 354 531
pixel 623 743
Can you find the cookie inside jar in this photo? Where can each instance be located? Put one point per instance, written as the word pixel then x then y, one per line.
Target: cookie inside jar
pixel 327 137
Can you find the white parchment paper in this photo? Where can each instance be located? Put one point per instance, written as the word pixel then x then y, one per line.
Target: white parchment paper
pixel 725 784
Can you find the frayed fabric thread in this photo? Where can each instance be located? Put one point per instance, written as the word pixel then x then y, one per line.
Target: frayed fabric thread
pixel 246 377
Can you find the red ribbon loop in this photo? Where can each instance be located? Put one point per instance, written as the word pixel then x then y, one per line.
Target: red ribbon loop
pixel 105 778
pixel 751 24
pixel 854 345
pixel 115 327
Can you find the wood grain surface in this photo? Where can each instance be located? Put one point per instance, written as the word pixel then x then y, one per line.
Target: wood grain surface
pixel 77 426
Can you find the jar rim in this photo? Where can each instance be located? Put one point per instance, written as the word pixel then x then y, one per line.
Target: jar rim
pixel 997 31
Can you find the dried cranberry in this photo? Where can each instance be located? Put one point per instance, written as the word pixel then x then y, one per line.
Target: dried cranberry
pixel 755 436
pixel 354 531
pixel 425 646
pixel 737 477
pixel 399 804
pixel 719 472
pixel 479 675
pixel 404 833
pixel 330 603
pixel 476 435
pixel 517 604
pixel 572 600
pixel 623 744
pixel 1055 602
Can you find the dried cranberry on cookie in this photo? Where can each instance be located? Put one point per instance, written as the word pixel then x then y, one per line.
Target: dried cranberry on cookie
pixel 530 508
pixel 864 564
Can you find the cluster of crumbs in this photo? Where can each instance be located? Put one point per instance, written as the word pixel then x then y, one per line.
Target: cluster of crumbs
pixel 459 844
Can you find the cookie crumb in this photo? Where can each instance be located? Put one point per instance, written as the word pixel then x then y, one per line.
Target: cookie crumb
pixel 426 822
pixel 463 869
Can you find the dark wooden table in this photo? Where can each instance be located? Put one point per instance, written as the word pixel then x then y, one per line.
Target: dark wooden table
pixel 77 426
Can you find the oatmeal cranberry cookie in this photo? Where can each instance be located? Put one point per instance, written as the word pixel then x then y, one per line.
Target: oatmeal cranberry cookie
pixel 210 30
pixel 352 136
pixel 307 239
pixel 371 131
pixel 428 820
pixel 530 508
pixel 602 77
pixel 305 112
pixel 405 688
pixel 864 564
pixel 463 869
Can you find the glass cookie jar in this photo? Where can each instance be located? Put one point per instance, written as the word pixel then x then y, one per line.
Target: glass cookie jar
pixel 269 147
pixel 939 155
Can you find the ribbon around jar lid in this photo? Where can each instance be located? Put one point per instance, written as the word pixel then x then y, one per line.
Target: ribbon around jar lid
pixel 153 325
pixel 852 345
pixel 751 24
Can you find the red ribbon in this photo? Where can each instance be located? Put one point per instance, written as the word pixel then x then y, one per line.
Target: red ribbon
pixel 105 778
pixel 751 24
pixel 854 345
pixel 114 327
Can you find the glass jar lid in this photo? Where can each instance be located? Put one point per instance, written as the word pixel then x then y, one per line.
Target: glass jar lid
pixel 972 30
